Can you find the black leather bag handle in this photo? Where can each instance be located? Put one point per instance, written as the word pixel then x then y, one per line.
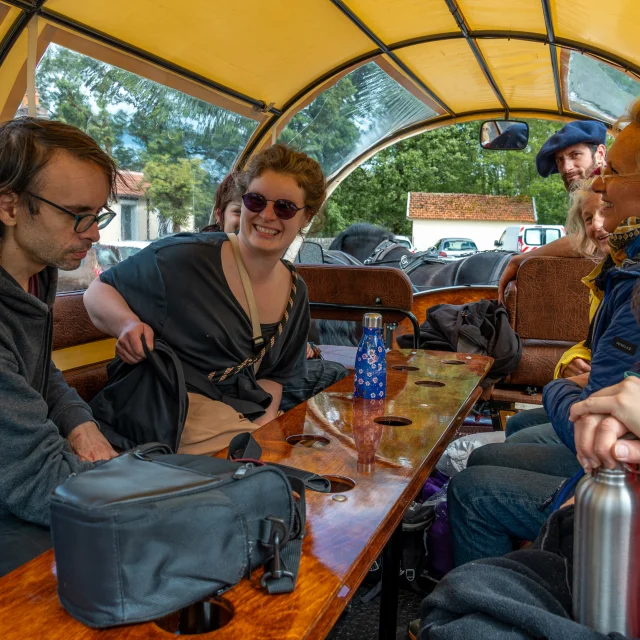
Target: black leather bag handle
pixel 244 445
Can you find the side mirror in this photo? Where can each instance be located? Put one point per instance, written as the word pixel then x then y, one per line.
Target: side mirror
pixel 497 243
pixel 504 134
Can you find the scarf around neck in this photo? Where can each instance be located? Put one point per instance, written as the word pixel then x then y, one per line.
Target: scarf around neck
pixel 625 241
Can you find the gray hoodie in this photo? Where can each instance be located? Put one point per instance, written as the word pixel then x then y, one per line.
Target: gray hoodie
pixel 38 409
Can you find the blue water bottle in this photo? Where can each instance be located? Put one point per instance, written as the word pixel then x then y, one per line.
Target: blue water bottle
pixel 370 379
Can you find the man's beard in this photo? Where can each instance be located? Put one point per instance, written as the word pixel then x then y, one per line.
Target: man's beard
pixel 576 184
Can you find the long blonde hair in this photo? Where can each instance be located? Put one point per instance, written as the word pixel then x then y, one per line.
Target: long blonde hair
pixel 575 224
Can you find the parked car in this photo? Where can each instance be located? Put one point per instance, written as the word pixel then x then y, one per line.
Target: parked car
pixel 405 241
pixel 521 238
pixel 100 258
pixel 126 248
pixel 453 248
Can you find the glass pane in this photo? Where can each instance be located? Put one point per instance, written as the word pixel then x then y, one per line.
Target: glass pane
pixel 177 148
pixel 597 89
pixel 533 237
pixel 551 235
pixel 359 110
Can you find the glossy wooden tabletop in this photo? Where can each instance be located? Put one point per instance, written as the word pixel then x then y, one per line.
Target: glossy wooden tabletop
pixel 388 464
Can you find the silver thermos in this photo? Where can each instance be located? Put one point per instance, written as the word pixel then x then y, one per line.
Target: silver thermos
pixel 606 556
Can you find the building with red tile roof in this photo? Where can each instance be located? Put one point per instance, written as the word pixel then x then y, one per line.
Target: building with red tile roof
pixel 481 218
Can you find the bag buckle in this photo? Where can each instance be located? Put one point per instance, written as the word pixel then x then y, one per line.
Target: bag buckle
pixel 258 344
pixel 278 537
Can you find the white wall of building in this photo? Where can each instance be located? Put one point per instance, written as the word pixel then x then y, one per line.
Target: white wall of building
pixel 482 232
pixel 145 226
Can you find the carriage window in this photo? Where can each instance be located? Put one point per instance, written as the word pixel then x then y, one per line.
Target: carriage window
pixel 353 115
pixel 175 147
pixel 597 89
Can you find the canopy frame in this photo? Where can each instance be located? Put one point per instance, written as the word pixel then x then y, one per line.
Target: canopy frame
pixel 272 119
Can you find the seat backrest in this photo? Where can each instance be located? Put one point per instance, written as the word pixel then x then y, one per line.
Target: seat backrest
pixel 80 350
pixel 310 253
pixel 338 292
pixel 549 308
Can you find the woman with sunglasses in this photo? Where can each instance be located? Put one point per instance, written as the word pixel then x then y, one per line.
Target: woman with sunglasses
pixel 187 290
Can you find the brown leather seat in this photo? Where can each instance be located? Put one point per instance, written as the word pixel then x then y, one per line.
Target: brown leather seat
pixel 73 328
pixel 549 308
pixel 338 292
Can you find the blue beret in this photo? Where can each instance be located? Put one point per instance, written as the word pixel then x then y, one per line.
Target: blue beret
pixel 583 131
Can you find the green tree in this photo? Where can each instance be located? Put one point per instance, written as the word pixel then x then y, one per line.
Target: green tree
pixel 176 188
pixel 446 160
pixel 146 125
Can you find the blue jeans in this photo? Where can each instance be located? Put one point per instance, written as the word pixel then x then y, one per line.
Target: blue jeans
pixel 20 542
pixel 538 434
pixel 320 375
pixel 503 495
pixel 525 419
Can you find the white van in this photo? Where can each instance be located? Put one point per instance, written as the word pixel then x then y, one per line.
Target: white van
pixel 527 237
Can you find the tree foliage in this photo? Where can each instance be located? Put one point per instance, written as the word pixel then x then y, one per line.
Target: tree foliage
pixel 446 160
pixel 186 146
pixel 175 188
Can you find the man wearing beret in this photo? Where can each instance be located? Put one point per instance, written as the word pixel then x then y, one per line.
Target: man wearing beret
pixel 574 152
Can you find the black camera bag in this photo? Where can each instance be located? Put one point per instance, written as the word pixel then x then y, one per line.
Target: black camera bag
pixel 150 532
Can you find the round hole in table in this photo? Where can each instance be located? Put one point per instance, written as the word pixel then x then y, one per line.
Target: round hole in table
pixel 452 362
pixel 308 440
pixel 429 383
pixel 201 617
pixel 404 367
pixel 340 484
pixel 393 421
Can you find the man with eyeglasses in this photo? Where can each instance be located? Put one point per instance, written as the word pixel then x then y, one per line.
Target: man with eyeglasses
pixel 55 182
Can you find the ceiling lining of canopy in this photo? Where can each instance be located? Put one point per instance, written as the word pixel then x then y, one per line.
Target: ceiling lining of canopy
pixel 417 42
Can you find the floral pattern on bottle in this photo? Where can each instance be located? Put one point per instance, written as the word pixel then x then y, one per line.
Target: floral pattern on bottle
pixel 370 379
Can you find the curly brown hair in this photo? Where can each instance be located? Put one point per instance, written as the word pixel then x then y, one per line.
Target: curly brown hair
pixel 282 159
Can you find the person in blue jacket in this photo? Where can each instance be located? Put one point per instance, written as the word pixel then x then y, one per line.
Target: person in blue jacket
pixel 508 490
pixel 616 338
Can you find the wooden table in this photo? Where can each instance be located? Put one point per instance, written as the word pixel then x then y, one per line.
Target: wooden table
pixel 388 465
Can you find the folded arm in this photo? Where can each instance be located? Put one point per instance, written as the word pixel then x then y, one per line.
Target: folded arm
pixel 34 457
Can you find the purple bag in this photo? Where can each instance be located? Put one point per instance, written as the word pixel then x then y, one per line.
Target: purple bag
pixel 439 546
pixel 433 485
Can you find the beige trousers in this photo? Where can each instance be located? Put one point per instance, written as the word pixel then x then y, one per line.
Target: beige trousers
pixel 210 426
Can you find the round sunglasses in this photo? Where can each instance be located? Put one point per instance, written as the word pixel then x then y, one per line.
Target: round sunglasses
pixel 284 209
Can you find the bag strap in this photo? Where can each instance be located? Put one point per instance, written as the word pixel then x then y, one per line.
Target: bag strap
pixel 258 340
pixel 281 570
pixel 244 445
pixel 219 376
pixel 177 388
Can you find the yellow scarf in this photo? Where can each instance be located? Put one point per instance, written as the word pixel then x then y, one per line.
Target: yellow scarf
pixel 623 238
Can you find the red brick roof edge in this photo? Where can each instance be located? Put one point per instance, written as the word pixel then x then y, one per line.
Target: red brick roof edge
pixel 470 206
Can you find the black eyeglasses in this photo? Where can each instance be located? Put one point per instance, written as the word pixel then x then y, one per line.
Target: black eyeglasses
pixel 84 221
pixel 284 209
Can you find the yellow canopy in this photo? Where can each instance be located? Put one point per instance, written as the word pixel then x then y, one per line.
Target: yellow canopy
pixel 443 61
